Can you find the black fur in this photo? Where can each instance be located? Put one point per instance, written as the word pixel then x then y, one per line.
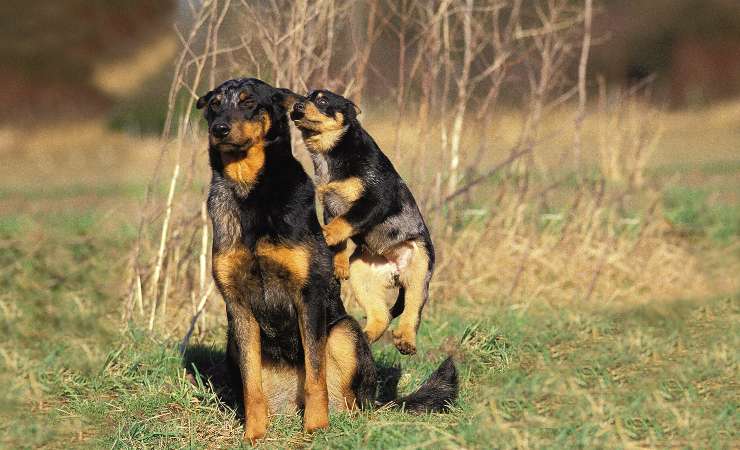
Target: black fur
pixel 386 214
pixel 437 393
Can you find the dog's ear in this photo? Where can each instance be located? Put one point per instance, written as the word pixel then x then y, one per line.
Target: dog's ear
pixel 352 110
pixel 203 100
pixel 286 98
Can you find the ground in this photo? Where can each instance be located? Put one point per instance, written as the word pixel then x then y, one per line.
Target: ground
pixel 532 374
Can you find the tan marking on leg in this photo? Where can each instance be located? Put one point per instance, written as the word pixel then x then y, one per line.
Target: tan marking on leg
pixel 230 270
pixel 371 276
pixel 341 366
pixel 350 189
pixel 337 230
pixel 414 279
pixel 295 259
pixel 247 334
pixel 316 396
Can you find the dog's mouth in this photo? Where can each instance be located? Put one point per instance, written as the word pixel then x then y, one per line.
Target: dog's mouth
pixel 232 147
pixel 306 124
pixel 301 120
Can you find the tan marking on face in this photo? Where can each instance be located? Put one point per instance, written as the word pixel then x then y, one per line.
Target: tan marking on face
pixel 245 166
pixel 337 231
pixel 350 189
pixel 328 129
pixel 230 270
pixel 294 259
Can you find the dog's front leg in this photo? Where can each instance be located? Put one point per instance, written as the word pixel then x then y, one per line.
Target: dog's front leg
pixel 312 325
pixel 341 259
pixel 233 270
pixel 247 337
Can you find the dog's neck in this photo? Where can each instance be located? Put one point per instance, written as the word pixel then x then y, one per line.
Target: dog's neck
pixel 325 141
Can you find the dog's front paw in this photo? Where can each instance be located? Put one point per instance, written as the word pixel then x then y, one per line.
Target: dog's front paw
pixel 254 433
pixel 314 425
pixel 316 413
pixel 256 422
pixel 337 231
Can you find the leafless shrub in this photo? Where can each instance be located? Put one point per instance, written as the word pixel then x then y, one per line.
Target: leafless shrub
pixel 509 220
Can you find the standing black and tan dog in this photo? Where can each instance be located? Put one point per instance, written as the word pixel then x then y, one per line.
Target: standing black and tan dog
pixel 290 341
pixel 366 200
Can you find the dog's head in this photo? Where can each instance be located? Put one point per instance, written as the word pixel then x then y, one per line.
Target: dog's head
pixel 245 112
pixel 323 113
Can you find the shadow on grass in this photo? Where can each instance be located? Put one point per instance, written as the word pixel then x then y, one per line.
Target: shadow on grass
pixel 210 366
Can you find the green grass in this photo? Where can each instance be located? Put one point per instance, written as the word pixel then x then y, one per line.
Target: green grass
pixel 690 212
pixel 531 375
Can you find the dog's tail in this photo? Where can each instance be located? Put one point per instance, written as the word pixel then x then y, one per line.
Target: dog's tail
pixel 436 394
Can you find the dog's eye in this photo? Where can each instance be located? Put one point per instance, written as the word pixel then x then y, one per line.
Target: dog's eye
pixel 322 102
pixel 246 100
pixel 215 103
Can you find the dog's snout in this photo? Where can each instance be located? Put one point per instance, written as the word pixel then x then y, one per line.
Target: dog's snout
pixel 298 111
pixel 220 130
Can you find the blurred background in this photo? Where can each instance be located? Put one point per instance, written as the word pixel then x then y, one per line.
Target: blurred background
pixel 577 156
pixel 115 58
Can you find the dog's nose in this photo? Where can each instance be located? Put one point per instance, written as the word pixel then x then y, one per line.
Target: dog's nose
pixel 299 106
pixel 220 130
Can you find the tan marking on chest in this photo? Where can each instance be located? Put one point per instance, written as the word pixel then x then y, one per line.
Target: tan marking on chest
pixel 245 168
pixel 295 259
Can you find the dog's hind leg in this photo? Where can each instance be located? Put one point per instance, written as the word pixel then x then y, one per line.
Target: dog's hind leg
pixel 371 277
pixel 351 372
pixel 414 278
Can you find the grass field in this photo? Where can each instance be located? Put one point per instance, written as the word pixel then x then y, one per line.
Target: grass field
pixel 533 374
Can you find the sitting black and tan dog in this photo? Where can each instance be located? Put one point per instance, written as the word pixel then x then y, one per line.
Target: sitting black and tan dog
pixel 290 341
pixel 365 200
